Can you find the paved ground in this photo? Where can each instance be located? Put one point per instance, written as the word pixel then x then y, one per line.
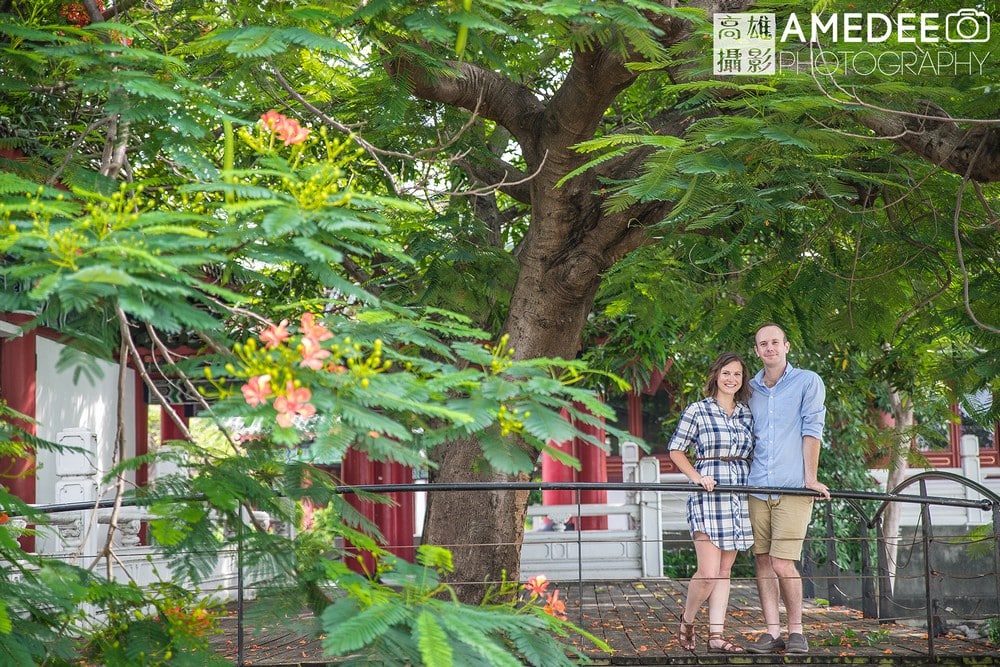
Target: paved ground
pixel 639 620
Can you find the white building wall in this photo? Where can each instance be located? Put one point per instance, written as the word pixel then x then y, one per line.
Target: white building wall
pixel 88 403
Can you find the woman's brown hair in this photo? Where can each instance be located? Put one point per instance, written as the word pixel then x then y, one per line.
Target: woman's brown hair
pixel 712 384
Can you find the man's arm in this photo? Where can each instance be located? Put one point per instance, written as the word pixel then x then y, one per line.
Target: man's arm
pixel 813 407
pixel 810 457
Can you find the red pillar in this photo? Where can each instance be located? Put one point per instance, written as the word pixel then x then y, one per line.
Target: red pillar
pixel 17 389
pixel 635 414
pixel 141 440
pixel 408 514
pixel 169 430
pixel 358 470
pixel 555 471
pixel 593 468
pixel 397 520
pixel 386 516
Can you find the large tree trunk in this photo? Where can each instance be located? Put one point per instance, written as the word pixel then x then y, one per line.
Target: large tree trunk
pixel 483 529
pixel 570 242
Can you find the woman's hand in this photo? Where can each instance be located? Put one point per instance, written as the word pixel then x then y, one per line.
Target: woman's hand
pixel 706 482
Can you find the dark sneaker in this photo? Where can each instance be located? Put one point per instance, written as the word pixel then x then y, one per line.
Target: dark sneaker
pixel 767 644
pixel 797 643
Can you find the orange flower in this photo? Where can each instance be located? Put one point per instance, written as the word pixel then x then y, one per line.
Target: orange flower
pixel 294 402
pixel 310 329
pixel 287 129
pixel 197 622
pixel 271 119
pixel 291 132
pixel 537 585
pixel 555 607
pixel 257 389
pixel 312 354
pixel 275 335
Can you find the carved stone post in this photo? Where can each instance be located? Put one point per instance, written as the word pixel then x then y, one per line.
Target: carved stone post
pixel 76 482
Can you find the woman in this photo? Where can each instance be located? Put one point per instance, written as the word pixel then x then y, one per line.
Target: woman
pixel 719 430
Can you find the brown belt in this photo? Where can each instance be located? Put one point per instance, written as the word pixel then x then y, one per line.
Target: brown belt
pixel 725 459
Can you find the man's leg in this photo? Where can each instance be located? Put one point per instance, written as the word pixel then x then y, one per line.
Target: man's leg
pixel 790 584
pixel 768 590
pixel 789 524
pixel 767 581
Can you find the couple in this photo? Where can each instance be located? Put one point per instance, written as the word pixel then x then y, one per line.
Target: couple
pixel 764 432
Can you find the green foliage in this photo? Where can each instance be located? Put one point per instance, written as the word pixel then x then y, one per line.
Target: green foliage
pixel 406 617
pixel 980 541
pixel 222 228
pixel 165 626
pixel 848 636
pixel 993 630
pixel 144 208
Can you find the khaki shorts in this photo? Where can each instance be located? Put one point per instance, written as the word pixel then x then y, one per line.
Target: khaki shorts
pixel 780 524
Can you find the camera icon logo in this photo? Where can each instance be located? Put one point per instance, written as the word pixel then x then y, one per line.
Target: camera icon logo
pixel 967 25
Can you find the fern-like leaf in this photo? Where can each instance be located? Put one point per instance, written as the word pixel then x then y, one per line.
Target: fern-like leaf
pixel 350 632
pixel 435 650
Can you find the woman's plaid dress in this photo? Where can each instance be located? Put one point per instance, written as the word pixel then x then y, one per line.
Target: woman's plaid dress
pixel 711 434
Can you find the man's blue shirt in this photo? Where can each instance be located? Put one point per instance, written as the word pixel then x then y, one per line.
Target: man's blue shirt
pixel 782 415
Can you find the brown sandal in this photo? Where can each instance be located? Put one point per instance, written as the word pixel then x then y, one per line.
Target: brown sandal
pixel 685 635
pixel 724 647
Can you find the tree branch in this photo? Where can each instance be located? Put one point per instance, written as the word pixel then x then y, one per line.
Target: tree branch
pixel 501 176
pixel 495 97
pixel 594 80
pixel 95 14
pixel 966 300
pixel 119 8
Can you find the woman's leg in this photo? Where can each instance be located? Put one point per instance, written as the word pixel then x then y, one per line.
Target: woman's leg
pixel 718 601
pixel 705 578
pixel 718 605
pixel 699 588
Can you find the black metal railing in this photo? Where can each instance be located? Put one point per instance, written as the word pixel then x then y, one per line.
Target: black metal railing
pixel 876 595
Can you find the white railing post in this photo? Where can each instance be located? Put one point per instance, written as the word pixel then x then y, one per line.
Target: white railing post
pixel 76 482
pixel 650 519
pixel 630 473
pixel 968 448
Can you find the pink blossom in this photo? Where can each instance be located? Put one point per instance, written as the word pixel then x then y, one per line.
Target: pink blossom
pixel 257 389
pixel 294 402
pixel 313 354
pixel 275 335
pixel 311 329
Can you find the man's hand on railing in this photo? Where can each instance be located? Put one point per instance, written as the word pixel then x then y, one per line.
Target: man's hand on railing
pixel 820 488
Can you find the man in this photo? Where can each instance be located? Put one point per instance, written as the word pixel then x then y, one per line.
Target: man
pixel 788 411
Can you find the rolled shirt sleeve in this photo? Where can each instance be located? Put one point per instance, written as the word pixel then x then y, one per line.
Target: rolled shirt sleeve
pixel 813 405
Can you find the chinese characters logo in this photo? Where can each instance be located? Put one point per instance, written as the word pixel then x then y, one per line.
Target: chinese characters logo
pixel 743 44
